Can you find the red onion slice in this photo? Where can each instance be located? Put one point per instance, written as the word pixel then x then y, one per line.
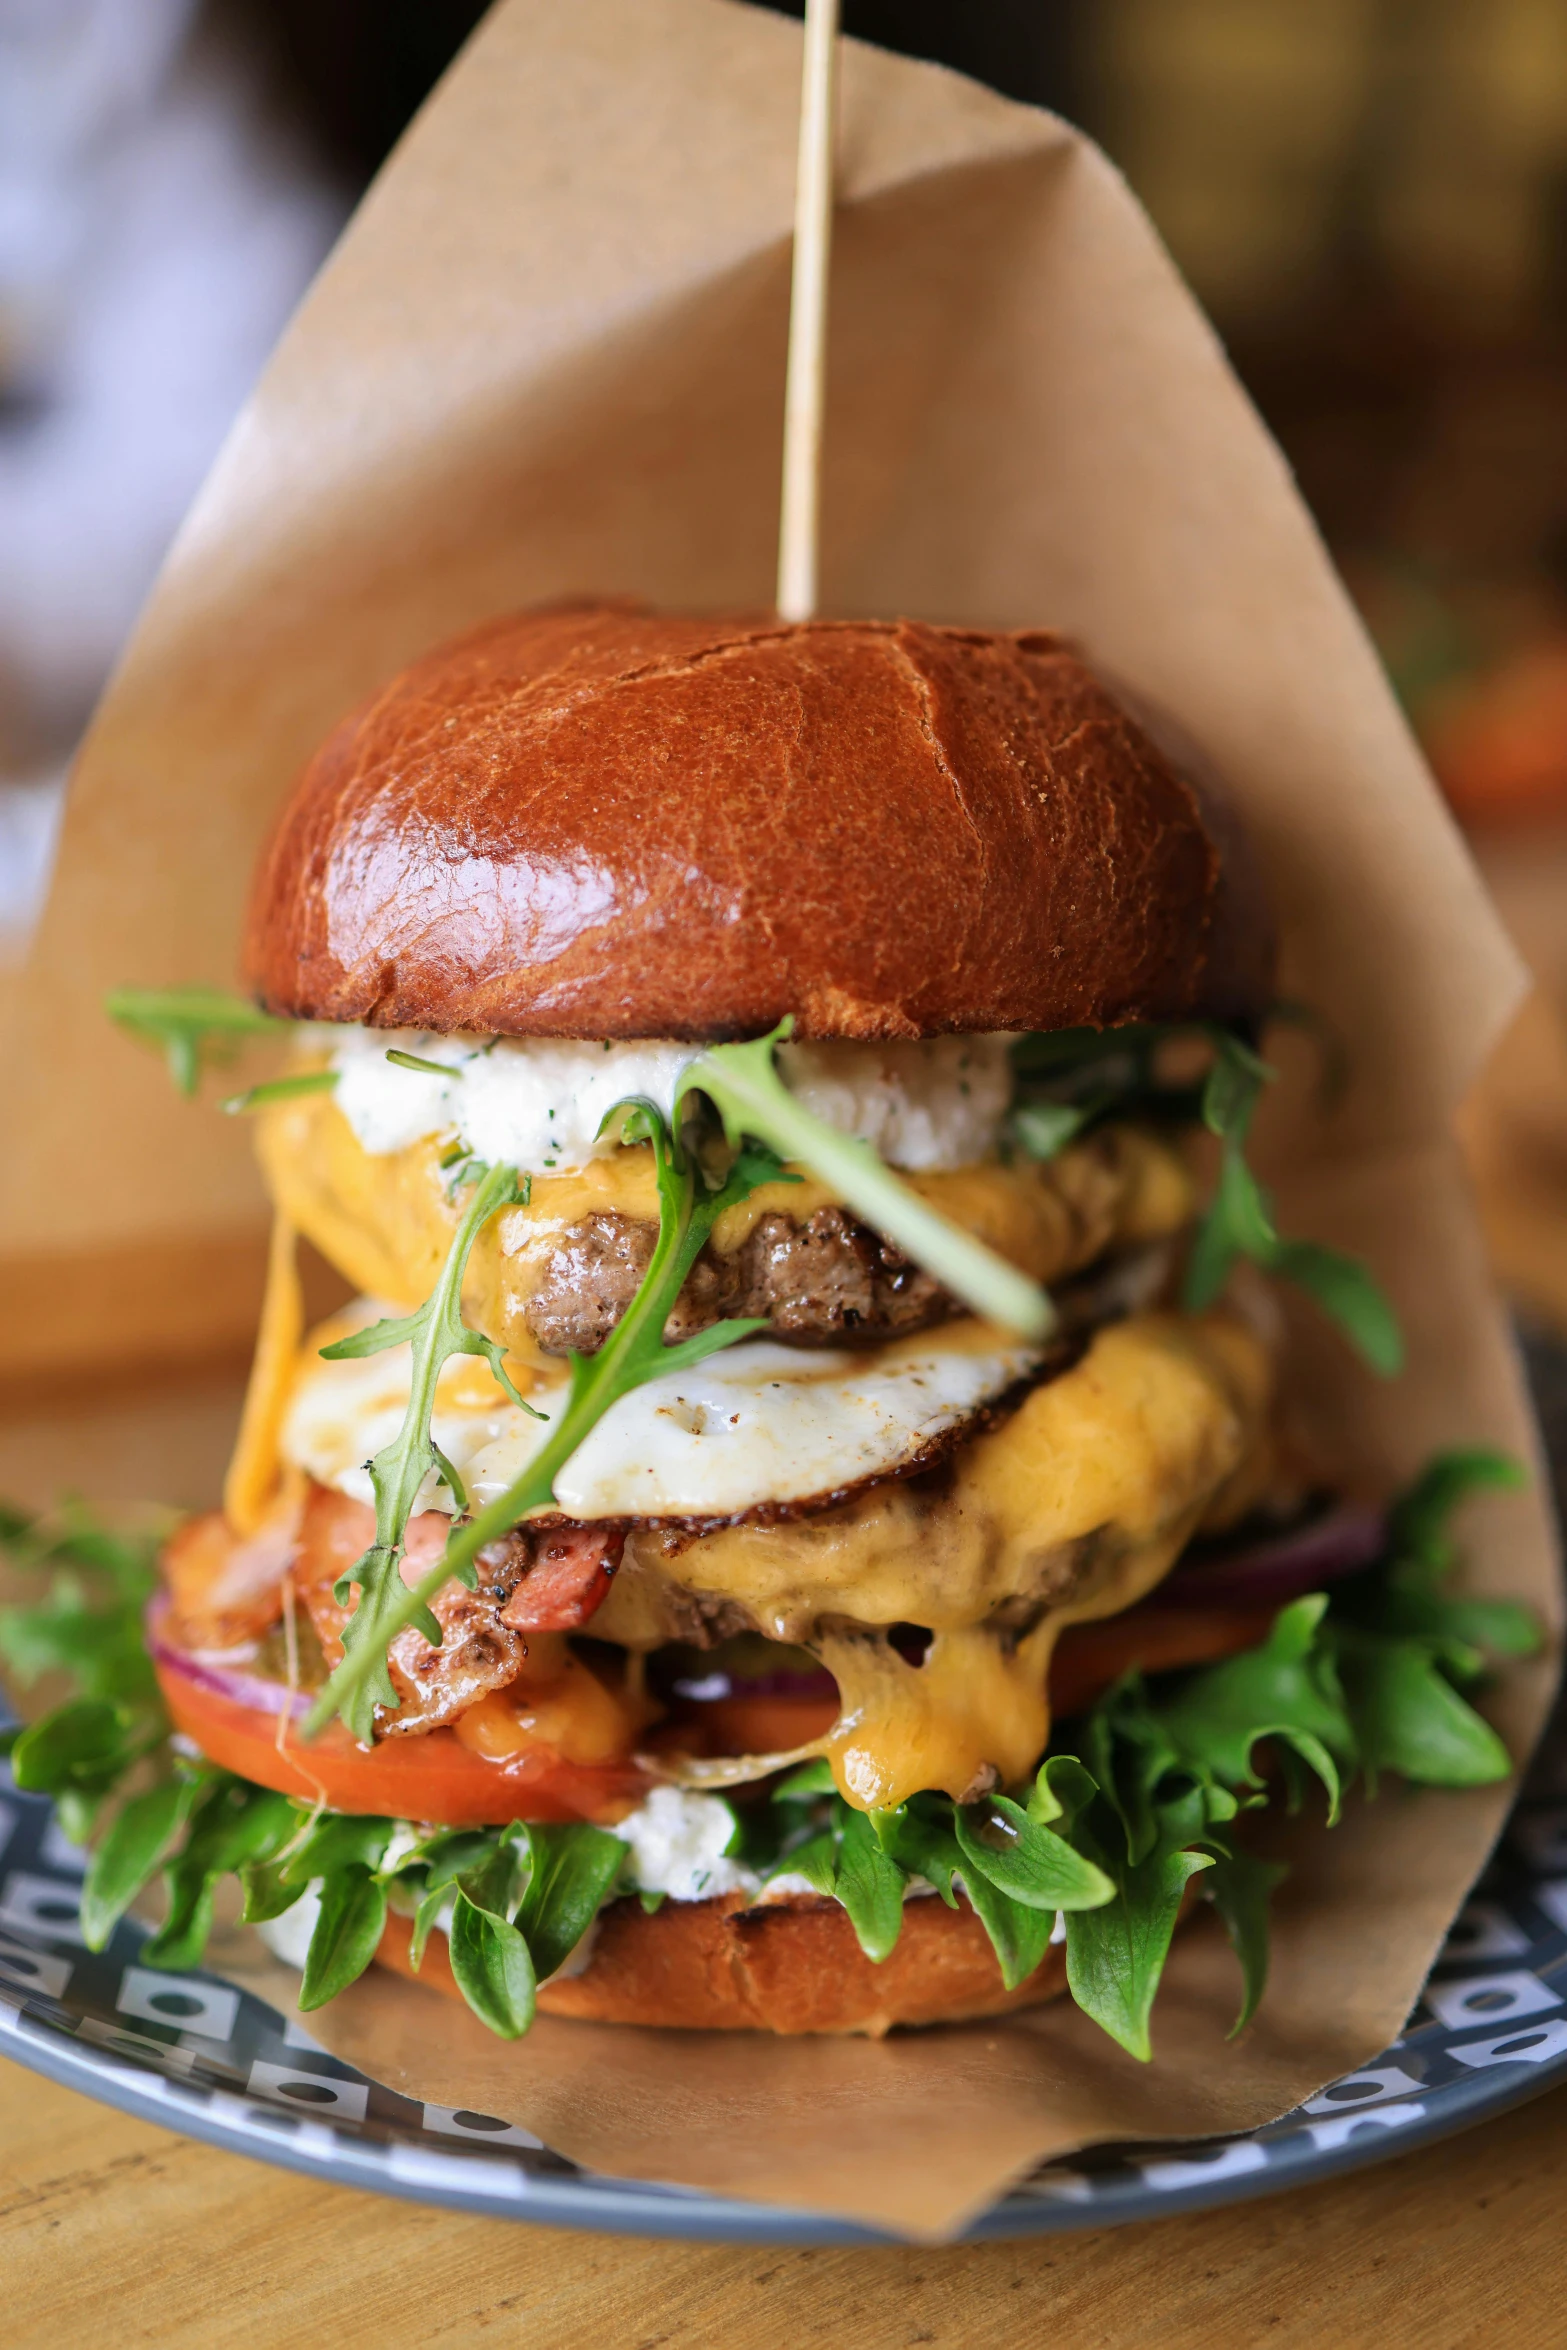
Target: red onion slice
pixel 1341 1543
pixel 713 1688
pixel 216 1679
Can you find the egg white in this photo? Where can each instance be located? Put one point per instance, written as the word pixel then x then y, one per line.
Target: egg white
pixel 758 1423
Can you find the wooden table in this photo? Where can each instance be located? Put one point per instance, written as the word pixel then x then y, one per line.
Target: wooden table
pixel 114 2231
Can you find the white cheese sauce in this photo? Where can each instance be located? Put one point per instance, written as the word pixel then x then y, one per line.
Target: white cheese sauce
pixel 537 1104
pixel 680 1846
pixel 758 1422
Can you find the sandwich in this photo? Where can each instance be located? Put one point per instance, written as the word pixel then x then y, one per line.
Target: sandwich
pixel 792 1527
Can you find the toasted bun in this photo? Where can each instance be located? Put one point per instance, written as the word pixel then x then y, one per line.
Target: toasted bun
pixel 605 822
pixel 794 1966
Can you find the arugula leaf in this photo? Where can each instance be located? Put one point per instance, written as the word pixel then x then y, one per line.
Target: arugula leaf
pixel 193 1027
pixel 1346 1291
pixel 870 1886
pixel 634 1353
pixel 437 1865
pixel 80 1745
pixel 1240 1887
pixel 572 1869
pixel 1115 1956
pixel 816 1860
pixel 1045 1128
pixel 1406 1594
pixel 267 1891
pixel 492 1968
pixel 1129 1752
pixel 279 1089
pixel 806 1781
pixel 78 1754
pixel 744 1087
pixel 923 1837
pixel 1409 1718
pixel 1115 1953
pixel 1109 1066
pixel 89 1622
pixel 1285 1690
pixel 1019 1936
pixel 1419 1526
pixel 346 1936
pixel 232 1823
pixel 1239 1222
pixel 1024 1859
pixel 436 1332
pixel 1072 1080
pixel 127 1857
pixel 920 1839
pixel 334 1842
pixel 431 1903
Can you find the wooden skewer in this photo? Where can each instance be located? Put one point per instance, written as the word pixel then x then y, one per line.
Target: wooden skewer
pixel 806 382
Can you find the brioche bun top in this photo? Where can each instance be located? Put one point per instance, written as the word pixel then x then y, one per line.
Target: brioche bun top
pixel 599 821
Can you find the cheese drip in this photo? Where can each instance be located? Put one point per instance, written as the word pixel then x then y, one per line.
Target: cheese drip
pixel 251 1487
pixel 385 1220
pixel 1076 1506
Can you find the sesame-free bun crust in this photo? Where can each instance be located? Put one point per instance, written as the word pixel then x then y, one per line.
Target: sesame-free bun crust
pixel 605 822
pixel 793 1966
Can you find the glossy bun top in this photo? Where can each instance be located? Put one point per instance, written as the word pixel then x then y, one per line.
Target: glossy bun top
pixel 605 822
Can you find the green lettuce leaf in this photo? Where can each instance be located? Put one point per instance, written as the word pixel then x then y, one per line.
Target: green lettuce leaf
pixel 492 1968
pixel 1240 1888
pixel 231 1825
pixel 870 1884
pixel 347 1934
pixel 128 1855
pixel 1024 1859
pixel 572 1871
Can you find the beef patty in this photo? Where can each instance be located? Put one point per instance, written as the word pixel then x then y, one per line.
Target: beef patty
pixel 827 1282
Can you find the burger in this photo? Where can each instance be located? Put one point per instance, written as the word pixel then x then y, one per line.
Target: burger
pixel 792 1529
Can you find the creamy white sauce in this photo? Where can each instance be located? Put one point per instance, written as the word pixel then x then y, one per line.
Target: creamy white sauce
pixel 537 1104
pixel 288 1936
pixel 679 1846
pixel 925 1106
pixel 759 1422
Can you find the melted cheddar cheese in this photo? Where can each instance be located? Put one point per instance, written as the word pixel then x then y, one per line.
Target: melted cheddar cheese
pixel 255 1473
pixel 1074 1508
pixel 385 1220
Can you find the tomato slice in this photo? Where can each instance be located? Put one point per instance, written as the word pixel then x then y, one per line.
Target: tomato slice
pixel 1088 1657
pixel 437 1777
pixel 432 1777
pixel 746 1725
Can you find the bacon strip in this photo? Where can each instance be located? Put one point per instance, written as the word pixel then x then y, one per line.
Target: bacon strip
pixel 567 1576
pixel 545 1580
pixel 226 1591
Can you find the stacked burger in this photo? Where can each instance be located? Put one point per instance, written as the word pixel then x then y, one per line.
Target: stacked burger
pixel 717 1571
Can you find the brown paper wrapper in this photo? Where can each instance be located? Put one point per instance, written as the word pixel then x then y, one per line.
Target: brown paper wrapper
pixel 547 359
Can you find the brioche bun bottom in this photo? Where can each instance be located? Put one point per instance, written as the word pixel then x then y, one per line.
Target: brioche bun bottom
pixel 789 1966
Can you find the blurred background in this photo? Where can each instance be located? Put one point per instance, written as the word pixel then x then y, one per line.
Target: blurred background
pixel 1370 196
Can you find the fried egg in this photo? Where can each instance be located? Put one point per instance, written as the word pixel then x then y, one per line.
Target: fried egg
pixel 757 1423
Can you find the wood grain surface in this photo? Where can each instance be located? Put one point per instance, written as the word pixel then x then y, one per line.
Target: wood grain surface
pixel 113 2230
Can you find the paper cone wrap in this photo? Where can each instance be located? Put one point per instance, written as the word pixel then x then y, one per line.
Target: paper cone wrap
pixel 547 359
